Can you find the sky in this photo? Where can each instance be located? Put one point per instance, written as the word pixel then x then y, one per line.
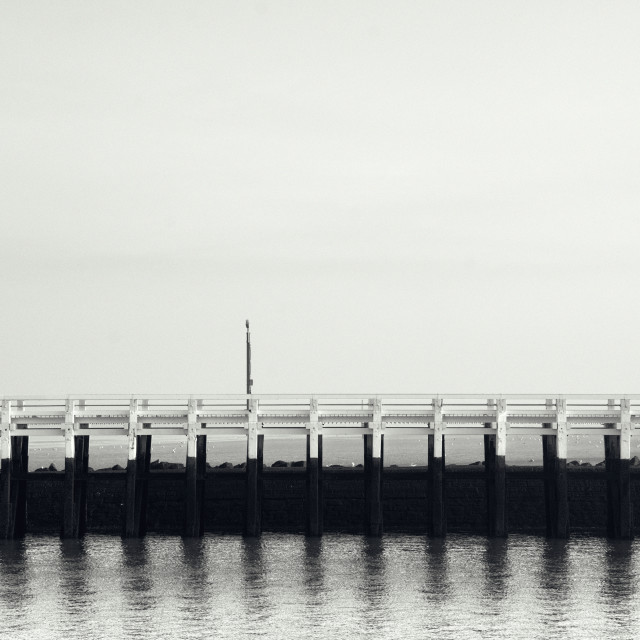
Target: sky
pixel 402 197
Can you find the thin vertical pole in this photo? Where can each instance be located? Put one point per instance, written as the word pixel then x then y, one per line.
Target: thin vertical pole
pixel 249 380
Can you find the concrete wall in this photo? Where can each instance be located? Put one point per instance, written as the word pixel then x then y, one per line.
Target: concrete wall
pixel 283 493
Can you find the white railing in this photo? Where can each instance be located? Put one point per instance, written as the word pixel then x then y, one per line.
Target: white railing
pixel 328 414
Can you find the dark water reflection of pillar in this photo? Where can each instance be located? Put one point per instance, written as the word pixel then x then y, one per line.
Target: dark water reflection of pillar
pixel 555 581
pixel 313 568
pixel 554 571
pixel 374 588
pixel 15 584
pixel 196 593
pixel 137 581
pixel 438 586
pixel 620 581
pixel 256 596
pixel 496 569
pixel 74 592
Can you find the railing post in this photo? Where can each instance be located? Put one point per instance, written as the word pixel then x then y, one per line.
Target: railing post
pixel 314 473
pixel 436 497
pixel 373 465
pixel 6 524
pixel 253 507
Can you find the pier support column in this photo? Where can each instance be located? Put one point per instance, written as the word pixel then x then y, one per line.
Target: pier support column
pixel 495 472
pixel 617 460
pixel 18 492
pixel 69 529
pixel 138 462
pixel 253 503
pixel 82 468
pixel 436 495
pixel 195 476
pixel 6 525
pixel 314 506
pixel 373 465
pixel 554 460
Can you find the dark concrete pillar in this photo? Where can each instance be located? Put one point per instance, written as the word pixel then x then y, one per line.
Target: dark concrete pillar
pixel 556 496
pixel 18 488
pixel 69 529
pixel 436 493
pixel 195 478
pixel 496 488
pixel 315 503
pixel 82 469
pixel 253 500
pixel 619 514
pixel 373 485
pixel 6 523
pixel 137 488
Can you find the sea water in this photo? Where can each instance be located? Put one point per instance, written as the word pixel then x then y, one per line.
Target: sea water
pixel 339 586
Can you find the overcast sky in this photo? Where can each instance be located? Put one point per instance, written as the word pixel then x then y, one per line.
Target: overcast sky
pixel 401 196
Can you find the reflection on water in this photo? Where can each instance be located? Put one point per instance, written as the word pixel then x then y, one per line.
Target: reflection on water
pixel 336 586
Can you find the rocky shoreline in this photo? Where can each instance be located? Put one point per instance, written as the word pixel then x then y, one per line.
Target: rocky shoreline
pixel 160 465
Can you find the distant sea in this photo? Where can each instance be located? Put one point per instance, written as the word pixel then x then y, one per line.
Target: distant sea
pixel 340 586
pixel 347 451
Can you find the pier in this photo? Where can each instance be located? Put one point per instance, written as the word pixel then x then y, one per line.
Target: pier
pixel 378 419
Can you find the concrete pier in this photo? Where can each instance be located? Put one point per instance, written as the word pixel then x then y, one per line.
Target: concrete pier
pixel 202 419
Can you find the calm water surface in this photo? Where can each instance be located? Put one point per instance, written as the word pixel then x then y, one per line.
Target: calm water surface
pixel 286 586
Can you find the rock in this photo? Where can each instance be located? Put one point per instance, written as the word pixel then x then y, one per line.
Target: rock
pixel 280 463
pixel 601 464
pixel 573 463
pixel 242 465
pixel 586 464
pixel 299 463
pixel 635 461
pixel 117 467
pixel 52 467
pixel 358 466
pixel 336 466
pixel 225 465
pixel 477 463
pixel 393 466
